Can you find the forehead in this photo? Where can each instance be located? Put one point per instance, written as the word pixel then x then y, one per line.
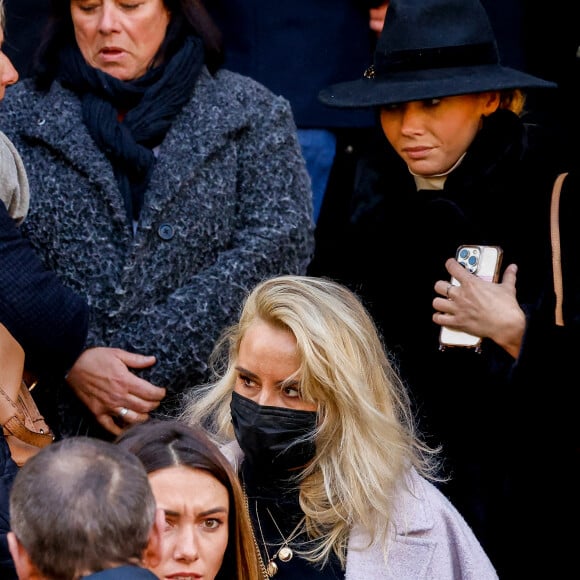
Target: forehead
pixel 187 485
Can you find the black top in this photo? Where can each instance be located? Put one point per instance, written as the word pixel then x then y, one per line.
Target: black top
pixel 275 513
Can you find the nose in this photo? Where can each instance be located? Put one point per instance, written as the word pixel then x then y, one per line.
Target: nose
pixel 410 119
pixel 186 545
pixel 109 21
pixel 267 397
pixel 8 74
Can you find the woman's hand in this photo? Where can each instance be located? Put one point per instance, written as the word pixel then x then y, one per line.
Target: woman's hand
pixel 480 307
pixel 102 379
pixel 377 18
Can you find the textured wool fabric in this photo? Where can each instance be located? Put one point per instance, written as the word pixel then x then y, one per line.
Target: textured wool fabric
pixel 228 204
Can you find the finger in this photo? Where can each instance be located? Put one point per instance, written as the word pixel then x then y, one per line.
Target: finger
pixel 124 416
pixel 456 270
pixel 443 287
pixel 441 304
pixel 509 277
pixel 134 360
pixel 443 319
pixel 140 405
pixel 107 422
pixel 145 390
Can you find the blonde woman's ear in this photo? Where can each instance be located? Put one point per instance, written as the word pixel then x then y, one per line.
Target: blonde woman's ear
pixel 491 102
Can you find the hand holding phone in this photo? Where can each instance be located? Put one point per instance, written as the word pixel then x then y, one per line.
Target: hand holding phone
pixel 485 263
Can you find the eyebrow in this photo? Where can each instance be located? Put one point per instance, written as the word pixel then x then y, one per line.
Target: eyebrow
pixel 212 511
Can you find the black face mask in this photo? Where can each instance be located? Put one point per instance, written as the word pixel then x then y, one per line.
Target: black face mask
pixel 273 438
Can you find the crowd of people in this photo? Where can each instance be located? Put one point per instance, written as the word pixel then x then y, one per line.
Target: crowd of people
pixel 239 278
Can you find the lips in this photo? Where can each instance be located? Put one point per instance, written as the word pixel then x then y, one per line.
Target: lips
pixel 111 52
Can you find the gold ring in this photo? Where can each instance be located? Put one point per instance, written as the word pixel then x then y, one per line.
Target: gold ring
pixel 449 286
pixel 123 412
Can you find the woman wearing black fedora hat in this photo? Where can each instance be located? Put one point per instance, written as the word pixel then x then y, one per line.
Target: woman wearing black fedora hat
pixel 459 166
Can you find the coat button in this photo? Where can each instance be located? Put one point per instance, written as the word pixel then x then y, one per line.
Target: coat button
pixel 165 231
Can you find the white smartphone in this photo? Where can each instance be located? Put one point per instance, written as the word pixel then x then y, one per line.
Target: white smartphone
pixel 485 263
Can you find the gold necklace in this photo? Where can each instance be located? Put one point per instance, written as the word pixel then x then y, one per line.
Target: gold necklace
pixel 256 546
pixel 284 553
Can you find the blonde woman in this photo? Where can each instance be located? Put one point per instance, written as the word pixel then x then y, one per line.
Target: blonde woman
pixel 317 423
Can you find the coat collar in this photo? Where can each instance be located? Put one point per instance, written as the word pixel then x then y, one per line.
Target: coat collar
pixel 205 125
pixel 409 548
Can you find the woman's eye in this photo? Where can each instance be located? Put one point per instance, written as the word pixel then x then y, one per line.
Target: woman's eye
pixel 169 524
pixel 292 391
pixel 212 523
pixel 432 102
pixel 247 381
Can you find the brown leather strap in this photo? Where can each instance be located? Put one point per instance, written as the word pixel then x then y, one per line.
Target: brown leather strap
pixel 556 252
pixel 15 427
pixel 15 398
pixel 12 365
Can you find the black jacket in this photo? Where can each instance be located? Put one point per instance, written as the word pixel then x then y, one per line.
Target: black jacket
pixel 298 48
pixel 392 253
pixel 47 318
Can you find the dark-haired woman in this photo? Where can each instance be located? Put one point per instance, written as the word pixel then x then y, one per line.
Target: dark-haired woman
pixel 164 189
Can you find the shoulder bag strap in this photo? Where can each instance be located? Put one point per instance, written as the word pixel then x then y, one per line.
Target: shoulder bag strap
pixel 556 253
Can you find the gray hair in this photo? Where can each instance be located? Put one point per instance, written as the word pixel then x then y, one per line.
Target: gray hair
pixel 82 504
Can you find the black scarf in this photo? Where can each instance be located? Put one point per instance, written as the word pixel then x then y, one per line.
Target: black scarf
pixel 150 104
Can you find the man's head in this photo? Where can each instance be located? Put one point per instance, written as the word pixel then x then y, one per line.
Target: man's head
pixel 79 506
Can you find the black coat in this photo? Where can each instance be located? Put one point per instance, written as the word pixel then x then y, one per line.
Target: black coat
pixel 392 253
pixel 50 322
pixel 298 48
pixel 48 319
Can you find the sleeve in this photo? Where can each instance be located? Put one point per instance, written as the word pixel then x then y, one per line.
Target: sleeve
pixel 48 319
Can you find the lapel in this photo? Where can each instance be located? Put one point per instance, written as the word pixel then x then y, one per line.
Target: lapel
pixel 411 547
pixel 207 124
pixel 56 121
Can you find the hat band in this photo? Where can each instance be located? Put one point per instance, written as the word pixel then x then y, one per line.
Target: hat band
pixel 441 57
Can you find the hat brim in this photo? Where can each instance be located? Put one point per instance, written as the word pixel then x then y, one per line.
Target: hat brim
pixel 403 87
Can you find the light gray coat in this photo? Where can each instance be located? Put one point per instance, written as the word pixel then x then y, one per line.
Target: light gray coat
pixel 430 539
pixel 229 204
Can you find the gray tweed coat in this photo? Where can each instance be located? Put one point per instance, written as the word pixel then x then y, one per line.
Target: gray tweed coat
pixel 229 204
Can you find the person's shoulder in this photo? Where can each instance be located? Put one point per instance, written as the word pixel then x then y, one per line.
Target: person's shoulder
pixel 128 572
pixel 11 165
pixel 243 88
pixel 20 91
pixel 14 191
pixel 457 545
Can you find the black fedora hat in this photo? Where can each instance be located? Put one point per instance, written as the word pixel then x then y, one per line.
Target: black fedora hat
pixel 429 49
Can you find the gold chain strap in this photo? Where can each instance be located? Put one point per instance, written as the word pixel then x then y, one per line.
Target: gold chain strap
pixel 260 559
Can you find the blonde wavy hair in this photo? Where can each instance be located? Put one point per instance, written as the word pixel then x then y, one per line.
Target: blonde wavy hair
pixel 513 100
pixel 365 441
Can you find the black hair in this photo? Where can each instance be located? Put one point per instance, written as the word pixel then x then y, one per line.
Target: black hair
pixel 187 17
